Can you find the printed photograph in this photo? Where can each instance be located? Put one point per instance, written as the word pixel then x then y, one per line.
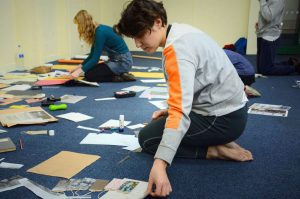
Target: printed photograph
pixel 128 186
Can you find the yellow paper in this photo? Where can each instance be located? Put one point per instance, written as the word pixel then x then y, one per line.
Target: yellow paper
pixel 65 164
pixel 65 77
pixel 21 76
pixel 148 75
pixel 68 68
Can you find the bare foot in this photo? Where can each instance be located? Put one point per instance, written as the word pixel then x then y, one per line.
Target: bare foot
pixel 230 151
pixel 234 145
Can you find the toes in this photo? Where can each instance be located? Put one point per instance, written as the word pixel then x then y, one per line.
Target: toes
pixel 247 155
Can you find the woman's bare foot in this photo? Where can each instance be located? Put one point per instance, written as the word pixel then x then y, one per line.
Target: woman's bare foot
pixel 234 145
pixel 230 151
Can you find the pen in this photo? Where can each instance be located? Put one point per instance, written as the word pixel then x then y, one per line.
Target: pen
pixel 21 144
pixel 109 128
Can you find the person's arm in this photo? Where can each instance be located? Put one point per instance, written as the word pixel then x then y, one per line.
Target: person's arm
pixel 96 51
pixel 181 75
pixel 270 9
pixel 89 56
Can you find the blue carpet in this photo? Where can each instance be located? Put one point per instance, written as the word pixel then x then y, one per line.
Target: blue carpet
pixel 274 142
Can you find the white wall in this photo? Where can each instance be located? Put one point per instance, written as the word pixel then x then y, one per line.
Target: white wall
pixel 7 35
pixel 46 31
pixel 253 17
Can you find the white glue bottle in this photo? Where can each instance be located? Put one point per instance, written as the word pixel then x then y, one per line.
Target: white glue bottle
pixel 121 123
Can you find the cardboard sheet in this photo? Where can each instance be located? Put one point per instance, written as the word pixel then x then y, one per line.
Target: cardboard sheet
pixel 65 164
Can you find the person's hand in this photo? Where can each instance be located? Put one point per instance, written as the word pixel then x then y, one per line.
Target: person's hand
pixel 159 184
pixel 159 113
pixel 77 72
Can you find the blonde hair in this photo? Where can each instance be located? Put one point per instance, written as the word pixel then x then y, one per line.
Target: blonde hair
pixel 86 26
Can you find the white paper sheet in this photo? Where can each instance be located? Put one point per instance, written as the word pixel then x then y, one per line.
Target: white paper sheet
pixel 155 92
pixel 106 98
pixel 162 104
pixel 89 83
pixel 2 131
pixel 154 69
pixel 88 128
pixel 7 165
pixel 71 99
pixel 21 87
pixel 136 88
pixel 132 147
pixel 153 80
pixel 111 139
pixel 75 117
pixel 40 192
pixel 136 126
pixel 113 124
pixel 102 57
pixel 140 67
pixel 10 185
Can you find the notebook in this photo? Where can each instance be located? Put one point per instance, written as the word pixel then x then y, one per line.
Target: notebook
pixel 6 145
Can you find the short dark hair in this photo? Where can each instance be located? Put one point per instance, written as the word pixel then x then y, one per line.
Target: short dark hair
pixel 139 16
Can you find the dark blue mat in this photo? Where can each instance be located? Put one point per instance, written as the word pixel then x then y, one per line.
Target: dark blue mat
pixel 274 142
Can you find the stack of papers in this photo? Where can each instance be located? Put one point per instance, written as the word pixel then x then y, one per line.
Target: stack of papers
pixel 269 109
pixel 32 115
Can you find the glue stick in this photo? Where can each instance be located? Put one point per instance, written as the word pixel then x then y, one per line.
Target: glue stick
pixel 121 123
pixel 53 107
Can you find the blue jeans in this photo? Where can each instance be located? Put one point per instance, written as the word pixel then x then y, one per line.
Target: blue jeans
pixel 119 63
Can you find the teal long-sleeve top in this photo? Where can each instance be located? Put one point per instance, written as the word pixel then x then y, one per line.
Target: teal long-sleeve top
pixel 105 39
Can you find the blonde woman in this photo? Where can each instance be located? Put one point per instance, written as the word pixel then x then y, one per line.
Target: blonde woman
pixel 102 38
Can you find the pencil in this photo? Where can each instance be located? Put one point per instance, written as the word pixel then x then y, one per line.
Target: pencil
pixel 21 144
pixel 124 159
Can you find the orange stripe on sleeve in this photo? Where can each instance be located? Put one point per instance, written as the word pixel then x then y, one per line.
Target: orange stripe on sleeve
pixel 175 92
